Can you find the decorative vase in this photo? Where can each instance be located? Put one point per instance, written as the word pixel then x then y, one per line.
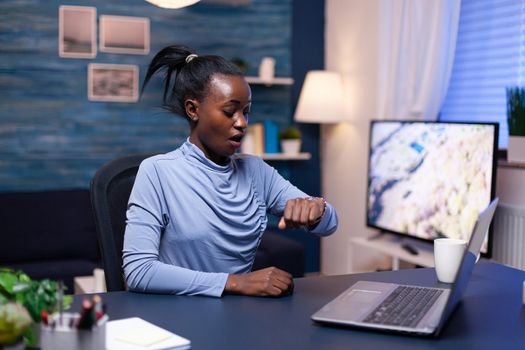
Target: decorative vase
pixel 516 149
pixel 291 146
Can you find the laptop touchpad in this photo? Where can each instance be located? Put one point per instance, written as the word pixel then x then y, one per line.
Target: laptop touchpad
pixel 362 296
pixel 351 305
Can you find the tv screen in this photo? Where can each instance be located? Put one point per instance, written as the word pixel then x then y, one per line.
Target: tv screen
pixel 430 179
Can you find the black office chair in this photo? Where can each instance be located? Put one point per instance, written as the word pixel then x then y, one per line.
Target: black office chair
pixel 110 190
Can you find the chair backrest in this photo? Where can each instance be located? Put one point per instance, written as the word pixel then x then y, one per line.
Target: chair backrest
pixel 110 189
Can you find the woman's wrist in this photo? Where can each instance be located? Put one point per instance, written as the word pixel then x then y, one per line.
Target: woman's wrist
pixel 322 202
pixel 232 284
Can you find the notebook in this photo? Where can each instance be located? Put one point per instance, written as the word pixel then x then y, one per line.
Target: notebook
pixel 137 334
pixel 406 308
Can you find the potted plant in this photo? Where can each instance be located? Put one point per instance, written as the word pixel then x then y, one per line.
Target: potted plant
pixel 241 63
pixel 290 138
pixel 34 296
pixel 516 124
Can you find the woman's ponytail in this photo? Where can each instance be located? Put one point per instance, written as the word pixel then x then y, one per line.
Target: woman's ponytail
pixel 192 74
pixel 170 59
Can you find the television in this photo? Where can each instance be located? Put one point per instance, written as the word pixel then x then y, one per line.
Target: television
pixel 428 180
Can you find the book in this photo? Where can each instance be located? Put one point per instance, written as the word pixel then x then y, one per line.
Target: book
pixel 253 142
pixel 248 143
pixel 137 334
pixel 258 135
pixel 271 137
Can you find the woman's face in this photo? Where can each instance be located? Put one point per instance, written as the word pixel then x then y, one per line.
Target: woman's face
pixel 222 117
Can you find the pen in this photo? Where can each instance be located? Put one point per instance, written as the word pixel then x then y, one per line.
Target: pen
pixel 60 301
pixel 44 317
pixel 71 322
pixel 97 306
pixel 87 317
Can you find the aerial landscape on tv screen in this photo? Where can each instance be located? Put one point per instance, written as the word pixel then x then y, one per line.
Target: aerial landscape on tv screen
pixel 429 180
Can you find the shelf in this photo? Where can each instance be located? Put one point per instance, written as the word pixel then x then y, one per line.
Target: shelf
pixel 506 164
pixel 274 81
pixel 284 156
pixel 391 245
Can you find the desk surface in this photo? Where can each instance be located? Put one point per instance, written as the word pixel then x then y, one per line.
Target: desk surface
pixel 239 322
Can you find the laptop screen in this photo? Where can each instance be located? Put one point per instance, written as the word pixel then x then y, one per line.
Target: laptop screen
pixel 468 262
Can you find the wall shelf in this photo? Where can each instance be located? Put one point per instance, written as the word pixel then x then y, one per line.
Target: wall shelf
pixel 274 81
pixel 284 156
pixel 506 164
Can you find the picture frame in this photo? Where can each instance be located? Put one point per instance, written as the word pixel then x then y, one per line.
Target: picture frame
pixel 124 34
pixel 113 82
pixel 77 31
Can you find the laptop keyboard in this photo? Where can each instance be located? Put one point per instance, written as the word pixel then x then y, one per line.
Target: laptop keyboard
pixel 405 306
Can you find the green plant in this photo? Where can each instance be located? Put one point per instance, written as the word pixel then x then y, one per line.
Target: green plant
pixel 242 64
pixel 290 133
pixel 35 296
pixel 516 111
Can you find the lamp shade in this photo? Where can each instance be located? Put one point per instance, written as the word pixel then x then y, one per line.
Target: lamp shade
pixel 172 4
pixel 321 98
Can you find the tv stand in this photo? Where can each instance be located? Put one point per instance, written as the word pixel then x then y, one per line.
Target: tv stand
pixel 393 246
pixel 410 248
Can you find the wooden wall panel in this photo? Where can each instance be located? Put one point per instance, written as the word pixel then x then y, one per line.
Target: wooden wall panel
pixel 52 137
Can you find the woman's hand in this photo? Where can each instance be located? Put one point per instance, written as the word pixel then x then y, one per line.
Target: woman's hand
pixel 302 212
pixel 270 281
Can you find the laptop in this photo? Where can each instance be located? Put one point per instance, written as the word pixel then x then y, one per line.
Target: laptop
pixel 407 309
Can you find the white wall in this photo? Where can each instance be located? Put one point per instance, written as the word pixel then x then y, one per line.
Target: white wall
pixel 350 25
pixel 510 186
pixel 352 41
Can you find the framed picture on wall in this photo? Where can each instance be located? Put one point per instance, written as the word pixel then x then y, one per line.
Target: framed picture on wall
pixel 113 82
pixel 77 31
pixel 121 34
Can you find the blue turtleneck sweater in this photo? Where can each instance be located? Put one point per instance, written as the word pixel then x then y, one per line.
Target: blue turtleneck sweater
pixel 191 222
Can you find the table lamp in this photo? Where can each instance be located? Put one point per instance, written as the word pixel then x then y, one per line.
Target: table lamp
pixel 172 4
pixel 321 98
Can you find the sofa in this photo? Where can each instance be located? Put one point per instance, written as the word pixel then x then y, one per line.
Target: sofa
pixel 51 234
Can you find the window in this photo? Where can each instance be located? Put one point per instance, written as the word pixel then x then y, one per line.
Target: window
pixel 490 56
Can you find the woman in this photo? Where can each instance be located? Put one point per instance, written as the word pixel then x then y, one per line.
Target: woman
pixel 196 215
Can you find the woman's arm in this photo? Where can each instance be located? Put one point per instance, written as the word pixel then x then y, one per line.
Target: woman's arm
pixel 142 268
pixel 295 207
pixel 145 273
pixel 270 281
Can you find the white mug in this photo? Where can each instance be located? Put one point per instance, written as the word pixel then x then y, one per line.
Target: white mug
pixel 448 253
